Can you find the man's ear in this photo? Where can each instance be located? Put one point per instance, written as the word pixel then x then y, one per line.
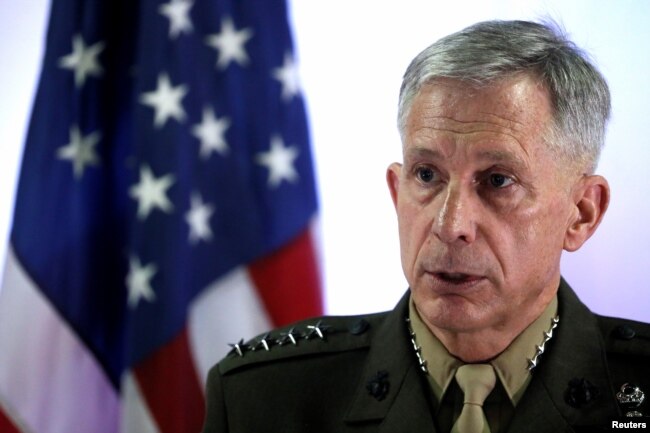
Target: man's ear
pixel 591 198
pixel 392 178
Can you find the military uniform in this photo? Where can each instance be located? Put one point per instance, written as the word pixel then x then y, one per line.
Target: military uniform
pixel 361 374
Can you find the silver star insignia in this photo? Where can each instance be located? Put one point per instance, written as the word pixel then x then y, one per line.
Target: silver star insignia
pixel 289 336
pixel 318 329
pixel 239 348
pixel 263 343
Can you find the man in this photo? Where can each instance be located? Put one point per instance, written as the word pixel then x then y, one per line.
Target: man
pixel 501 126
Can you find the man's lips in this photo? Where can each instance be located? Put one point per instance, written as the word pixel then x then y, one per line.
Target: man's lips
pixel 456 278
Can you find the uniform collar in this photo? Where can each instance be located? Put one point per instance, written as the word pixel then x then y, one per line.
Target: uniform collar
pixel 441 365
pixel 511 365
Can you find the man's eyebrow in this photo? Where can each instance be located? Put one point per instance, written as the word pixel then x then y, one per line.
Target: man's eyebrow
pixel 491 155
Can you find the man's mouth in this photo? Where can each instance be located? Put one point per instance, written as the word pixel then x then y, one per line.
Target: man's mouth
pixel 457 277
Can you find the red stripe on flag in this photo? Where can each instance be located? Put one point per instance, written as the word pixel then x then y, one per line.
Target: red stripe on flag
pixel 288 281
pixel 6 425
pixel 170 386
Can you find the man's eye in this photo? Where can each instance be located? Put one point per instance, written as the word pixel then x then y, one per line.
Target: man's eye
pixel 497 180
pixel 425 174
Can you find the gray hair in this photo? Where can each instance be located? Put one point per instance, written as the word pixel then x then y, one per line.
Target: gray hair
pixel 489 51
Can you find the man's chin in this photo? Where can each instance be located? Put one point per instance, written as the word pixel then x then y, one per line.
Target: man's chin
pixel 453 314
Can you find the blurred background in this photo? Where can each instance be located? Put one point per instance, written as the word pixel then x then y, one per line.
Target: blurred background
pixel 351 57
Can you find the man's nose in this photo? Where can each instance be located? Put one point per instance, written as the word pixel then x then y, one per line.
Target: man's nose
pixel 454 218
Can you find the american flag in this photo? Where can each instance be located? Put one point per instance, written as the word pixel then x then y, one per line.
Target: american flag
pixel 165 209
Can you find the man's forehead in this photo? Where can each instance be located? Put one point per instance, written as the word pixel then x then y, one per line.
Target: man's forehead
pixel 503 120
pixel 509 97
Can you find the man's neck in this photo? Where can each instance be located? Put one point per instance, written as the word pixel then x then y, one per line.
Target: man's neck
pixel 485 344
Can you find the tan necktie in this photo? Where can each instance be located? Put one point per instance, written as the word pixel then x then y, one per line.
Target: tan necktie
pixel 476 381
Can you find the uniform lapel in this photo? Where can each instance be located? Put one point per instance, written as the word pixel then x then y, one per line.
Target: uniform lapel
pixel 537 412
pixel 405 407
pixel 575 352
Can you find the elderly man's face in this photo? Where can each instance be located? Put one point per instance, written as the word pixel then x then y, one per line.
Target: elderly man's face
pixel 483 205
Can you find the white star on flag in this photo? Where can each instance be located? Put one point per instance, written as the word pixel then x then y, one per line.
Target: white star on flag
pixel 83 60
pixel 80 151
pixel 151 192
pixel 165 100
pixel 178 13
pixel 138 282
pixel 230 44
pixel 198 218
pixel 211 133
pixel 279 160
pixel 287 74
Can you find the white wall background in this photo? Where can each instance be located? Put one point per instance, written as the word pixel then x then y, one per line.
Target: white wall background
pixel 352 56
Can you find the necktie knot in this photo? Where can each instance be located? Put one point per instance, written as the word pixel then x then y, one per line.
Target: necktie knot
pixel 476 381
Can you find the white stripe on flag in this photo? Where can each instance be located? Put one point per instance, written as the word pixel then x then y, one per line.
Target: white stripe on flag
pixel 136 415
pixel 226 311
pixel 47 375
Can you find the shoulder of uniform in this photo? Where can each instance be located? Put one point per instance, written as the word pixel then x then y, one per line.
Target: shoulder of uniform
pixel 311 337
pixel 625 336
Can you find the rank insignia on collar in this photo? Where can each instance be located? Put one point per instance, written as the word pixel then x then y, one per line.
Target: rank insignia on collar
pixel 539 349
pixel 422 363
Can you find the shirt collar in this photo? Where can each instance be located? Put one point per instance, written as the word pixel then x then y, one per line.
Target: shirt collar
pixel 511 365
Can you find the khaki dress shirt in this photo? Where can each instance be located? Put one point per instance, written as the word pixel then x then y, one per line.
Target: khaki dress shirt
pixel 511 367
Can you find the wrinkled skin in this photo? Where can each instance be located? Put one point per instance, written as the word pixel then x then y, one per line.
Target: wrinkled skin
pixel 485 210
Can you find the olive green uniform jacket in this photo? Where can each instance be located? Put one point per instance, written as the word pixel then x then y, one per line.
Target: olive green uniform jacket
pixel 362 375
